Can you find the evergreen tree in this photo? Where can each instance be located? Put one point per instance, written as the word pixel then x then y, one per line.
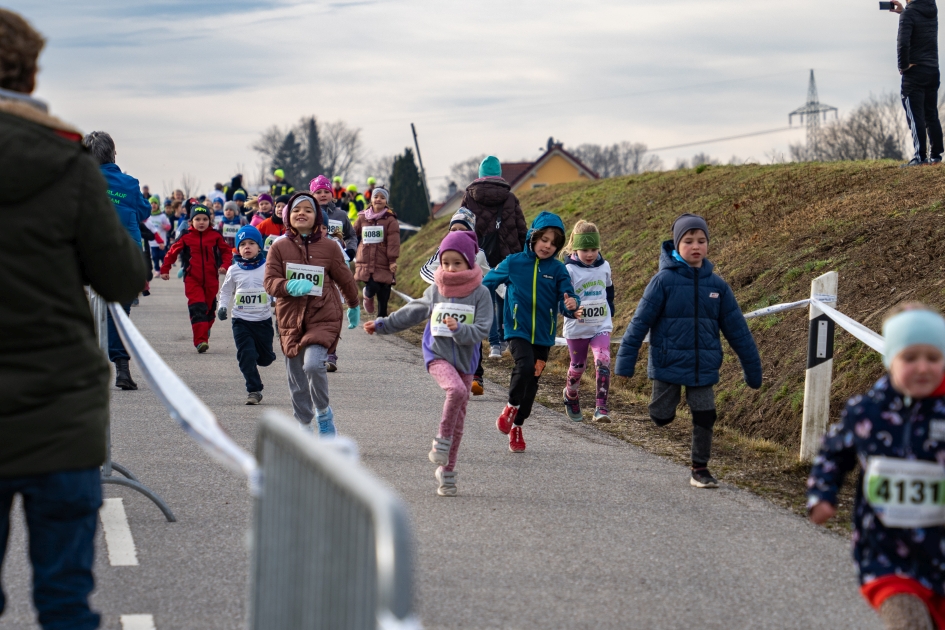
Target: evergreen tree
pixel 406 191
pixel 289 158
pixel 312 157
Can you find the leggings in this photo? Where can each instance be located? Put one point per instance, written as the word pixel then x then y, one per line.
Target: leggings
pixel 600 346
pixel 374 288
pixel 456 386
pixel 529 364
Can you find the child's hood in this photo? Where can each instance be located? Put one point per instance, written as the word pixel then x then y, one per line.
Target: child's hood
pixel 542 221
pixel 668 262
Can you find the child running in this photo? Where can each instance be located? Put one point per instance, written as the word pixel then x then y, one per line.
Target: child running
pixel 231 223
pixel 460 309
pixel 160 225
pixel 375 263
pixel 203 254
pixel 462 221
pixel 590 275
pixel 252 314
pixel 273 227
pixel 683 308
pixel 537 283
pixel 896 432
pixel 263 209
pixel 304 271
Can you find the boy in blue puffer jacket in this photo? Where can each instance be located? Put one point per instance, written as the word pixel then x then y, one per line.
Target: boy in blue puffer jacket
pixel 683 308
pixel 537 282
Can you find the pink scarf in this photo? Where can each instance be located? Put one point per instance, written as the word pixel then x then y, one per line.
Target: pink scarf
pixel 370 215
pixel 457 284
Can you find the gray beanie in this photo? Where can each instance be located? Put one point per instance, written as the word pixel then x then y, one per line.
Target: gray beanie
pixel 231 204
pixel 686 222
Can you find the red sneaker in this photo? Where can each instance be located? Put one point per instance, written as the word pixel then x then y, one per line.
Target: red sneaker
pixel 516 441
pixel 506 418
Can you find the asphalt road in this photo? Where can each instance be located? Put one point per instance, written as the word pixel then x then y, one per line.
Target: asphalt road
pixel 581 531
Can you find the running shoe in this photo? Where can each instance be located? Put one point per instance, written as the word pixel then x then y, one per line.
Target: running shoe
pixel 601 415
pixel 202 347
pixel 326 423
pixel 440 451
pixel 495 352
pixel 506 418
pixel 702 478
pixel 447 481
pixel 135 303
pixel 572 406
pixel 477 388
pixel 254 398
pixel 913 162
pixel 308 428
pixel 516 440
pixel 503 346
pixel 331 364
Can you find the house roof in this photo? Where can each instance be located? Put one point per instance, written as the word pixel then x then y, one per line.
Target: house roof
pixel 512 170
pixel 529 168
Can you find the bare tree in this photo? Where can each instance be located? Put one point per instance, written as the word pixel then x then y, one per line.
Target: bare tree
pixel 681 164
pixel 269 143
pixel 189 184
pixel 703 158
pixel 875 130
pixel 379 168
pixel 341 148
pixel 624 158
pixel 465 172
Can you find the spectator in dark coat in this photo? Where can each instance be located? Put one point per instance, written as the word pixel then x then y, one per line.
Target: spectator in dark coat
pixel 917 52
pixel 491 200
pixel 55 406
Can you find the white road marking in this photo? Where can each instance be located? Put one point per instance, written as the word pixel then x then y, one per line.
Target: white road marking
pixel 118 540
pixel 137 622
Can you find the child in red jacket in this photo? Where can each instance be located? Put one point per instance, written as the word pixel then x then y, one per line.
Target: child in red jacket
pixel 203 255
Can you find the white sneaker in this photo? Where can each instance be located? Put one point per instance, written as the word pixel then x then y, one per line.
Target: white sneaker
pixel 447 482
pixel 308 428
pixel 495 352
pixel 440 453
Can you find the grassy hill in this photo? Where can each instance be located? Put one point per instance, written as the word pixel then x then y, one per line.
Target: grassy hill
pixel 773 229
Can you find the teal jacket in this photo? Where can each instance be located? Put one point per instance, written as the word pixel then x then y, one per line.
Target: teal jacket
pixel 535 287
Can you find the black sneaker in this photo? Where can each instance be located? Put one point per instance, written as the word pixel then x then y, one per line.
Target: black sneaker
pixel 254 398
pixel 702 478
pixel 913 162
pixel 935 160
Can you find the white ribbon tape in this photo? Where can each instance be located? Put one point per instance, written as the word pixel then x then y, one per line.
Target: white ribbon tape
pixel 855 328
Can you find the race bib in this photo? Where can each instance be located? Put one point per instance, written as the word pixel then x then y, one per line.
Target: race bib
pixel 312 273
pixel 250 300
pixel 462 313
pixel 372 234
pixel 335 226
pixel 905 493
pixel 595 313
pixel 269 241
pixel 229 231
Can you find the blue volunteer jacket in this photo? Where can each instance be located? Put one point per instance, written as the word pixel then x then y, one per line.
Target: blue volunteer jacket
pixel 683 309
pixel 125 194
pixel 535 287
pixel 884 423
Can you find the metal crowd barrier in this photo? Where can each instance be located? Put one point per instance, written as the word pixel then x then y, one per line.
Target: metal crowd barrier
pixel 331 545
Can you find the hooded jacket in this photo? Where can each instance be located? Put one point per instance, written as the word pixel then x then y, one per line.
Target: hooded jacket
pixel 61 232
pixel 125 193
pixel 684 308
pixel 917 42
pixel 347 230
pixel 374 259
pixel 535 288
pixel 491 198
pixel 307 320
pixel 883 423
pixel 202 254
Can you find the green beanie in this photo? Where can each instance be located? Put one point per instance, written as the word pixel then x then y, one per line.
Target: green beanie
pixel 490 167
pixel 155 211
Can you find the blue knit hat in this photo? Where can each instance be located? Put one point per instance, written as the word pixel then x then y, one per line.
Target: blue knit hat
pixel 250 233
pixel 490 167
pixel 912 328
pixel 239 196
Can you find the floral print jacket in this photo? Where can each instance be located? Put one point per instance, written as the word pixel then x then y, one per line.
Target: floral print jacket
pixel 883 422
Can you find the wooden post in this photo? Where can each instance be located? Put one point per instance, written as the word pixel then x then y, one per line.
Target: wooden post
pixel 819 367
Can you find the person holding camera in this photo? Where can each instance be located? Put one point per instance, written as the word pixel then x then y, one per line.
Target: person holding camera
pixel 917 51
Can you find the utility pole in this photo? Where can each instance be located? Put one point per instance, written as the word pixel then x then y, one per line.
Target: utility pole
pixel 423 173
pixel 813 109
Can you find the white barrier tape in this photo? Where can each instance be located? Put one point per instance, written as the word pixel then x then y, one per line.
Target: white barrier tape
pixel 403 296
pixel 183 405
pixel 855 328
pixel 778 308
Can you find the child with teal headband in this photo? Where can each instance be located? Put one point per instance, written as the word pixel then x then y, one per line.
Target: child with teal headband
pixel 896 432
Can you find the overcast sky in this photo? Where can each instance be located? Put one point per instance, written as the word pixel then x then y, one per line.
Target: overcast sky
pixel 186 86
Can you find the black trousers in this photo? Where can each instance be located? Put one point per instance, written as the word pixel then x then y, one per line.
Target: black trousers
pixel 529 364
pixel 920 100
pixel 253 348
pixel 381 294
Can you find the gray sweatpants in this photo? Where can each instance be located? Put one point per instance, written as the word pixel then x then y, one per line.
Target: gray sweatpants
pixel 701 401
pixel 308 382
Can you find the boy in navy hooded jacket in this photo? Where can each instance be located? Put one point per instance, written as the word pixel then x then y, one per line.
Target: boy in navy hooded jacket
pixel 537 283
pixel 683 308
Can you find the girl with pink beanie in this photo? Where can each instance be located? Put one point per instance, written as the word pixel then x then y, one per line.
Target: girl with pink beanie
pixel 460 312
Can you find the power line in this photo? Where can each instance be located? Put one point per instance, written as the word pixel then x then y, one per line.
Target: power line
pixel 744 135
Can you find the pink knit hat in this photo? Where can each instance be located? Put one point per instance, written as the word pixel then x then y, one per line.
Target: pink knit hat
pixel 319 183
pixel 464 243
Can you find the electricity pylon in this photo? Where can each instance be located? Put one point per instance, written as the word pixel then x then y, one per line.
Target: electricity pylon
pixel 813 109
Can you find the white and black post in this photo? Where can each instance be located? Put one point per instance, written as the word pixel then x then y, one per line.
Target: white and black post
pixel 819 366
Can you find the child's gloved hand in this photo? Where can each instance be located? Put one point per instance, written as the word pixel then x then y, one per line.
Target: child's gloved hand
pixel 222 313
pixel 354 317
pixel 180 274
pixel 299 287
